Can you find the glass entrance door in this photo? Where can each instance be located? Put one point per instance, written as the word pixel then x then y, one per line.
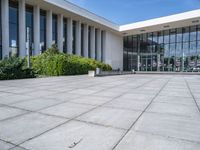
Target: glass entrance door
pixel 146 63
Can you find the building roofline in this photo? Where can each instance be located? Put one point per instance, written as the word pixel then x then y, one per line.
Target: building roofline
pixel 162 20
pixel 84 13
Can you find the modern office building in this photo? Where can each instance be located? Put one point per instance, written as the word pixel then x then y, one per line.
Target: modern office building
pixel 169 43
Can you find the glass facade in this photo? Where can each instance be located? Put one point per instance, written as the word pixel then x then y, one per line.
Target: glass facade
pixel 168 50
pixel 13 28
pixel 29 26
pixel 42 30
pixel 54 29
pixel 65 35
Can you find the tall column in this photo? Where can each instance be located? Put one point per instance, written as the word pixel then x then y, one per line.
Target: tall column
pixel 36 30
pixel 69 36
pixel 5 27
pixel 49 28
pixel 99 45
pixel 22 29
pixel 60 32
pixel 85 40
pixel 92 43
pixel 78 38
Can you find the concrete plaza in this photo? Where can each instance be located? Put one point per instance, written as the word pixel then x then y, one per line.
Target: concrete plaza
pixel 130 112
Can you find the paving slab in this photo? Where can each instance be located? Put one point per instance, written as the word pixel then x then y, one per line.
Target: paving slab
pixel 91 100
pixel 22 128
pixel 175 100
pixel 128 104
pixel 142 141
pixel 179 127
pixel 87 136
pixel 8 112
pixel 68 110
pixel 5 146
pixel 36 104
pixel 119 118
pixel 174 109
pixel 14 98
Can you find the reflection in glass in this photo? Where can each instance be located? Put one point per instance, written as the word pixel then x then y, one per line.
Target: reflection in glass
pixel 13 28
pixel 168 50
pixel 42 31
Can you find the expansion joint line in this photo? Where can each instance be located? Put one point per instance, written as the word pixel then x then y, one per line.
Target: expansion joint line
pixel 119 141
pixel 188 86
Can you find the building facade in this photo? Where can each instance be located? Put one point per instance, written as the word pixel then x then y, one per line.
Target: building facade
pixel 169 43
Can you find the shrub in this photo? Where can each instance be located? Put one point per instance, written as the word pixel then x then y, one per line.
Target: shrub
pixel 13 68
pixel 54 63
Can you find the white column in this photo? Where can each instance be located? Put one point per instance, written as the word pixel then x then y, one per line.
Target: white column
pixel 60 32
pixel 36 30
pixel 92 43
pixel 49 28
pixel 85 40
pixel 99 45
pixel 5 27
pixel 78 38
pixel 22 29
pixel 69 36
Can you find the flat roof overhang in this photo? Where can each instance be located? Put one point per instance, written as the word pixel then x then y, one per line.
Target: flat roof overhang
pixel 169 22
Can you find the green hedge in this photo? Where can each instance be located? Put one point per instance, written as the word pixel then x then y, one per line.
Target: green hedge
pixel 54 63
pixel 13 68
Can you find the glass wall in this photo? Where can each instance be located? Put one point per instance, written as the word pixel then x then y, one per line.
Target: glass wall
pixel 96 44
pixel 42 30
pixel 82 39
pixel 65 35
pixel 29 26
pixel 168 50
pixel 13 28
pixel 54 29
pixel 89 42
pixel 74 38
pixel 0 34
pixel 102 45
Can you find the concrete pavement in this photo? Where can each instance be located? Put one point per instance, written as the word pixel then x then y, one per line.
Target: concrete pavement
pixel 130 112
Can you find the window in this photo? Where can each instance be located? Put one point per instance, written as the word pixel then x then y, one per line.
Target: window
pixel 166 36
pixel 193 33
pixel 96 31
pixel 42 30
pixel 0 34
pixel 186 34
pixel 198 33
pixel 65 35
pixel 179 36
pixel 172 36
pixel 13 27
pixel 82 39
pixel 54 29
pixel 74 38
pixel 102 45
pixel 29 26
pixel 89 42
